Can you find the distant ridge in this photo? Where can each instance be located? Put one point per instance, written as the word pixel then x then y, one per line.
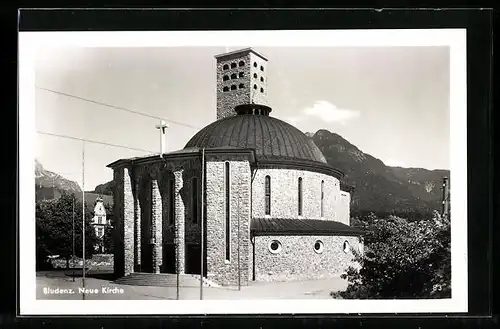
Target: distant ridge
pixel 377 187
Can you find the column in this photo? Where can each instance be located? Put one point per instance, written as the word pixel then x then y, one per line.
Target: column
pixel 128 222
pixel 179 223
pixel 137 220
pixel 156 226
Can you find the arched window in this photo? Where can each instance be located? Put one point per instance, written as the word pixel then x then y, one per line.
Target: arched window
pixel 241 86
pixel 233 87
pixel 225 67
pixel 322 197
pixel 262 68
pixel 171 204
pixel 241 74
pixel 233 65
pixel 242 63
pixel 254 64
pixel 254 86
pixel 262 79
pixel 225 89
pixel 268 194
pixel 233 76
pixel 300 195
pixel 225 78
pixel 255 75
pixel 194 199
pixel 227 210
pixel 261 90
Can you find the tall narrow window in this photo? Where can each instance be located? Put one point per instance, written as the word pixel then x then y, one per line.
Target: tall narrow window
pixel 322 197
pixel 300 196
pixel 228 221
pixel 171 204
pixel 194 200
pixel 268 195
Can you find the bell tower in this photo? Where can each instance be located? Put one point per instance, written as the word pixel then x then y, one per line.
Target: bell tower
pixel 241 79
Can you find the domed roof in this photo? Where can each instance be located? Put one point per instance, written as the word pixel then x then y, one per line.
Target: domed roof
pixel 252 127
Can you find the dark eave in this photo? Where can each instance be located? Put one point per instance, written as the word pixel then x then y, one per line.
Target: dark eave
pixel 293 226
pixel 241 51
pixel 189 153
pixel 299 164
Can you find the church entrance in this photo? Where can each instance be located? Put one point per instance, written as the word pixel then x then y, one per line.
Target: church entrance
pixel 169 258
pixel 147 258
pixel 193 259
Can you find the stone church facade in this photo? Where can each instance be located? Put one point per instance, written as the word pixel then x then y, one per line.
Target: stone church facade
pixel 271 207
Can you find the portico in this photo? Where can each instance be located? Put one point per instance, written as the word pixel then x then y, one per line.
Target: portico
pixel 151 214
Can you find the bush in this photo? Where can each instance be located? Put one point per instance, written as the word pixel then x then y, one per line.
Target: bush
pixel 402 259
pixel 54 229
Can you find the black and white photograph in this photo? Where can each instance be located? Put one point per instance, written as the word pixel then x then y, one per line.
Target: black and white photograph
pixel 276 171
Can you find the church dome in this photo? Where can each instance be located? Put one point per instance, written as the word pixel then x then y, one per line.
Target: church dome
pixel 252 127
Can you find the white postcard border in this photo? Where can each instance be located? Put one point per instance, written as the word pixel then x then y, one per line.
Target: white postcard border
pixel 29 42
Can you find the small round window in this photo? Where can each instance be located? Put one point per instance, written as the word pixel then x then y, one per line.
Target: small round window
pixel 262 79
pixel 346 247
pixel 254 64
pixel 254 86
pixel 255 75
pixel 261 90
pixel 318 247
pixel 275 246
pixel 262 68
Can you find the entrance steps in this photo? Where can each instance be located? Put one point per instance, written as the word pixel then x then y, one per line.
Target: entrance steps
pixel 163 280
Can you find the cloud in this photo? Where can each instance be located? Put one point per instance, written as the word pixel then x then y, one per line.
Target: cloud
pixel 395 163
pixel 328 112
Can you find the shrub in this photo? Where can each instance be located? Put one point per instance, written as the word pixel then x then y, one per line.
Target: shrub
pixel 402 259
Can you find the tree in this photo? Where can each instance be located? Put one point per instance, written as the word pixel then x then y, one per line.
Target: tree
pixel 403 259
pixel 54 229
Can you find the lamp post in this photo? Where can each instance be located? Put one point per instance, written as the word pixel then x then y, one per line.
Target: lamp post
pixel 73 253
pixel 202 240
pixel 83 218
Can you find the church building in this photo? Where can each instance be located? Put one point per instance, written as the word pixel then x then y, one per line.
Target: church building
pixel 249 198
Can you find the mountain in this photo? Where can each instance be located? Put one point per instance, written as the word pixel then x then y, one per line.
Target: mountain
pixel 380 188
pixel 104 189
pixel 50 185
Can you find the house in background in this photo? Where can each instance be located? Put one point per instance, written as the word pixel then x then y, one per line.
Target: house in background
pixel 101 218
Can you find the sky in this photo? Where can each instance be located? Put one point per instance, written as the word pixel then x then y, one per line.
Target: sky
pixel 391 102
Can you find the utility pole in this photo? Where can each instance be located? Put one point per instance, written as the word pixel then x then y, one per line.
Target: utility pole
pixel 445 188
pixel 83 217
pixel 73 254
pixel 202 240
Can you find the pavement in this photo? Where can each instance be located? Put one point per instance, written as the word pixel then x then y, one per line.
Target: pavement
pixel 58 285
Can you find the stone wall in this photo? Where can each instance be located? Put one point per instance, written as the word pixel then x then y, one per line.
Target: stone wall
pixel 298 260
pixel 124 227
pixel 252 80
pixel 227 100
pixel 345 213
pixel 219 269
pixel 258 80
pixel 284 194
